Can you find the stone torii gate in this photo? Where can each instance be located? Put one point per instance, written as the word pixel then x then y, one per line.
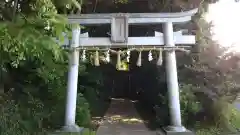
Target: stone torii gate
pixel 119 39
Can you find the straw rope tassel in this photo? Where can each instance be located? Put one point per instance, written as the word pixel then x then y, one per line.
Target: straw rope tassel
pixel 160 60
pixel 118 66
pixel 150 58
pixel 139 61
pixel 96 59
pixel 84 55
pixel 108 56
pixel 128 55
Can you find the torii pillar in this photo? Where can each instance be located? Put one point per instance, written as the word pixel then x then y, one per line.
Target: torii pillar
pixel 71 99
pixel 176 127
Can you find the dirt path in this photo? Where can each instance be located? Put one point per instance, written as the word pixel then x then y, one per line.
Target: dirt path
pixel 123 119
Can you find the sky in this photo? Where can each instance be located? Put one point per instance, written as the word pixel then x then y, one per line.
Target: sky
pixel 225 18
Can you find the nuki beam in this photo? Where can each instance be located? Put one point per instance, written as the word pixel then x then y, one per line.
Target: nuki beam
pixel 136 42
pixel 158 40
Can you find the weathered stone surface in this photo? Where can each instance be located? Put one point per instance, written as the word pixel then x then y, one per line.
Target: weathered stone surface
pixel 169 132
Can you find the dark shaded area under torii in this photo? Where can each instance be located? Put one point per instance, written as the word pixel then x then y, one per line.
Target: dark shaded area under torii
pixel 122 118
pixel 145 84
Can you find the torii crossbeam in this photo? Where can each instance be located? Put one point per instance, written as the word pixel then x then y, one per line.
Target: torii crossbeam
pixel 119 39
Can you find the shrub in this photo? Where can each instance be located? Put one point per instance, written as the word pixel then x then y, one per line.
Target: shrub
pixel 83 117
pixel 31 116
pixel 220 116
pixel 190 106
pixel 20 119
pixel 227 117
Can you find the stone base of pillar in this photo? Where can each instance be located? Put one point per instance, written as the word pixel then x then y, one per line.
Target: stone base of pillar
pixel 170 130
pixel 70 129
